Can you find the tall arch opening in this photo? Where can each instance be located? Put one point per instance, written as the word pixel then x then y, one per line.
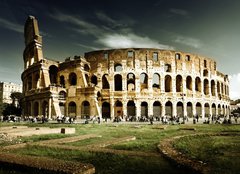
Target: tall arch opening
pixel 157 110
pixel 206 86
pixel 53 71
pixel 156 81
pixel 207 109
pixel 72 109
pixel 168 83
pixel 106 112
pixel 94 80
pixel 131 82
pixel 180 109
pixel 86 68
pixel 213 86
pixel 62 81
pixel 189 83
pixel 131 108
pixel 45 108
pixel 199 109
pixel 105 83
pixel 198 84
pixel 179 83
pixel 118 67
pixel 36 109
pixel 213 109
pixel 168 108
pixel 144 109
pixel 62 108
pixel 118 109
pixel 85 109
pixel 118 82
pixel 219 109
pixel 35 80
pixel 143 81
pixel 72 79
pixel 189 109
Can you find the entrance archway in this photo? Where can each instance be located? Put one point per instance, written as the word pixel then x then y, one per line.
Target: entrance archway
pixel 118 109
pixel 144 109
pixel 131 108
pixel 168 108
pixel 85 109
pixel 72 109
pixel 189 109
pixel 106 112
pixel 180 109
pixel 157 110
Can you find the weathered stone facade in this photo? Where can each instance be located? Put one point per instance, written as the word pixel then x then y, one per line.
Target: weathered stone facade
pixel 121 82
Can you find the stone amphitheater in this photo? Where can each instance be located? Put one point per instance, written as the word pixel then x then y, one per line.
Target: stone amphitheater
pixel 121 83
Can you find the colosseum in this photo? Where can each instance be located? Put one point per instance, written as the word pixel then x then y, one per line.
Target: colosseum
pixel 120 83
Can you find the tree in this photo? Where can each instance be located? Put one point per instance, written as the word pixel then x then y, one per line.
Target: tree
pixel 17 98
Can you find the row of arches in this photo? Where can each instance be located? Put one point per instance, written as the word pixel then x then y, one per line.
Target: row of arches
pixel 158 109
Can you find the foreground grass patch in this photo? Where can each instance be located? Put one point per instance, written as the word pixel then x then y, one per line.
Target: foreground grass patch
pixel 222 153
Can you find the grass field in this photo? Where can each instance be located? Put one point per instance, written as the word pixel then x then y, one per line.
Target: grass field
pixel 220 151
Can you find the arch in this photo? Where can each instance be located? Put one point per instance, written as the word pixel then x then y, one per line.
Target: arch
pixel 35 80
pixel 157 109
pixel 106 110
pixel 189 109
pixel 179 83
pixel 213 109
pixel 85 109
pixel 105 83
pixel 168 108
pixel 213 86
pixel 144 81
pixel 168 83
pixel 62 95
pixel 36 109
pixel 156 81
pixel 206 86
pixel 219 109
pixel 207 109
pixel 72 79
pixel 144 109
pixel 72 109
pixel 198 84
pixel 167 68
pixel 178 56
pixel 29 109
pixel 45 108
pixel 118 109
pixel 62 81
pixel 62 108
pixel 187 58
pixel 223 110
pixel 87 78
pixel 218 87
pixel 118 82
pixel 53 71
pixel 118 67
pixel 189 83
pixel 94 80
pixel 130 82
pixel 131 108
pixel 180 109
pixel 198 109
pixel 205 73
pixel 86 67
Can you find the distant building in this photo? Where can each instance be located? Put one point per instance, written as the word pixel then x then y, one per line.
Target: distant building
pixel 6 88
pixel 131 82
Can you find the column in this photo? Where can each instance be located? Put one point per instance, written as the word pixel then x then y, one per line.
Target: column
pixel 184 108
pixel 150 108
pixel 49 107
pixel 163 110
pixel 174 109
pixel 194 109
pixel 138 109
pixel 112 107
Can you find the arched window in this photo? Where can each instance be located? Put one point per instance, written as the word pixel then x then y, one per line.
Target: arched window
pixel 168 83
pixel 177 56
pixel 105 84
pixel 94 80
pixel 86 68
pixel 189 83
pixel 72 79
pixel 53 70
pixel 118 67
pixel 167 68
pixel 131 82
pixel 72 108
pixel 205 73
pixel 62 81
pixel 213 86
pixel 85 109
pixel 144 81
pixel 198 84
pixel 156 81
pixel 206 87
pixel 118 82
pixel 179 83
pixel 62 95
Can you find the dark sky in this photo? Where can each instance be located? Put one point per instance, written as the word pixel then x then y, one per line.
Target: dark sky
pixel 71 27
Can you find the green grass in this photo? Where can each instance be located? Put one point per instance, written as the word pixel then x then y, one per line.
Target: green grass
pixel 222 153
pixel 205 148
